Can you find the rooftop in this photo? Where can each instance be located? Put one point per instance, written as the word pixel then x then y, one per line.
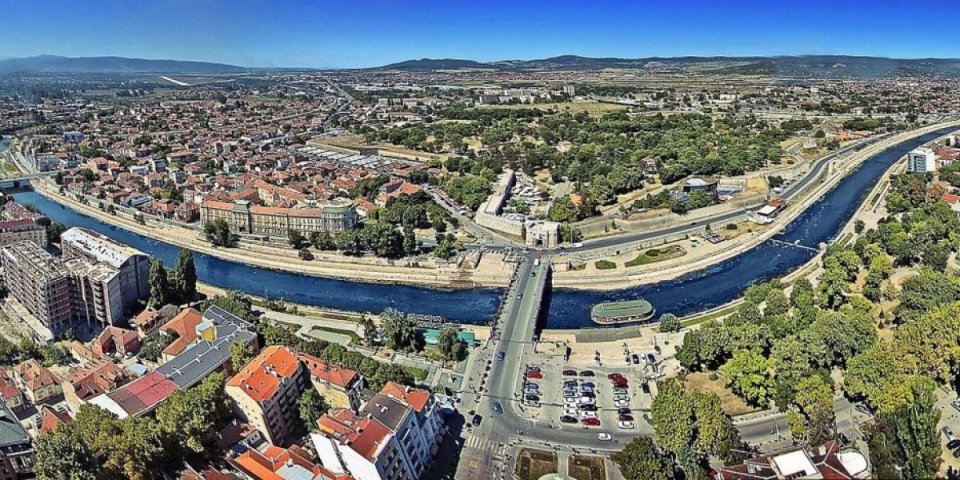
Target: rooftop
pixel 99 247
pixel 628 308
pixel 11 432
pixel 260 378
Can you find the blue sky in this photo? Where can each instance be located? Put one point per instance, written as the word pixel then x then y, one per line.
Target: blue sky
pixel 361 33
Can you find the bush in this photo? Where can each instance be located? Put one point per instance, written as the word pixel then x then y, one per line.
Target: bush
pixel 605 265
pixel 731 226
pixel 653 252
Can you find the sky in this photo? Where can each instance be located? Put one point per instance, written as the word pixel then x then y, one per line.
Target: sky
pixel 367 33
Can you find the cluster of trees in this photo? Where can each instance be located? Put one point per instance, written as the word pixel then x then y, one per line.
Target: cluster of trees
pixel 97 445
pixel 377 373
pixel 178 285
pixel 218 233
pixel 866 123
pixel 689 427
pixel 26 348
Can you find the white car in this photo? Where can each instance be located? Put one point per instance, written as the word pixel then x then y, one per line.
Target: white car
pixel 621 403
pixel 625 425
pixel 604 436
pixel 588 414
pixel 587 401
pixel 621 398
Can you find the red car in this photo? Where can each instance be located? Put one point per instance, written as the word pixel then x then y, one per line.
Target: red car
pixel 591 422
pixel 614 375
pixel 620 384
pixel 534 375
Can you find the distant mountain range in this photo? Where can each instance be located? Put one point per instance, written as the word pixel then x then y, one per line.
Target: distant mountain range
pixel 806 66
pixel 56 64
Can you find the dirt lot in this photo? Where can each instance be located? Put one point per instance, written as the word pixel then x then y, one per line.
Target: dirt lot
pixel 731 404
pixel 592 108
pixel 587 468
pixel 533 464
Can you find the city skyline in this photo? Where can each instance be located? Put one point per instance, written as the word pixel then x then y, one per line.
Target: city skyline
pixel 343 35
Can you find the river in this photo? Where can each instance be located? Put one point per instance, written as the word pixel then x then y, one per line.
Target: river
pixel 568 309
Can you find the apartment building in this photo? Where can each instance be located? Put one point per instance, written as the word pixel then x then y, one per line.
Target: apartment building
pixel 17 456
pixel 340 387
pixel 96 293
pixel 22 229
pixel 921 160
pixel 394 436
pixel 243 217
pixel 132 265
pixel 38 383
pixel 40 283
pixel 266 390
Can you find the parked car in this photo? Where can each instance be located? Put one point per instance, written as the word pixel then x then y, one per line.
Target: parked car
pixel 622 384
pixel 591 422
pixel 570 383
pixel 588 408
pixel 621 397
pixel 604 436
pixel 620 391
pixel 571 412
pixel 645 387
pixel 621 403
pixel 533 398
pixel 947 432
pixel 533 368
pixel 587 394
pixel 497 408
pixel 956 453
pixel 624 411
pixel 570 373
pixel 476 420
pixel 569 419
pixel 952 444
pixel 588 385
pixel 626 425
pixel 587 401
pixel 534 375
pixel 651 359
pixel 613 375
pixel 956 404
pixel 625 417
pixel 570 394
pixel 586 414
pixel 586 373
pixel 635 358
pixel 501 356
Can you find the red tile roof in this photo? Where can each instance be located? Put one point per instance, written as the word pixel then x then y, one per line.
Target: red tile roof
pixel 185 326
pixel 328 372
pixel 415 397
pixel 260 378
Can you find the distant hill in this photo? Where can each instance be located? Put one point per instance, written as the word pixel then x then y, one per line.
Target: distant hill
pixel 428 64
pixel 56 64
pixel 804 66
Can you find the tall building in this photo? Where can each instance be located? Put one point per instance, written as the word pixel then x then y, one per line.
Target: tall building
pixel 394 436
pixel 340 387
pixel 22 229
pixel 39 282
pixel 96 292
pixel 132 265
pixel 266 390
pixel 921 160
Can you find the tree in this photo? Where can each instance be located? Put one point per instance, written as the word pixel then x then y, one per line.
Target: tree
pixel 322 240
pixel 683 418
pixel 449 344
pixel 669 323
pixel 240 354
pixel 925 292
pixel 905 443
pixel 371 334
pixel 747 372
pixel 218 233
pixel 882 375
pixel 673 416
pixel 312 406
pixel 296 239
pixel 833 287
pixel 192 417
pixel 161 293
pixel 400 332
pixel 63 455
pixel 185 276
pixel 813 417
pixel 934 340
pixel 642 459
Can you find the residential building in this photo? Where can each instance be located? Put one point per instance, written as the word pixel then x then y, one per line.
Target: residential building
pixel 266 390
pixel 22 229
pixel 921 160
pixel 16 450
pixel 10 393
pixel 184 329
pixel 825 461
pixel 270 462
pixel 96 294
pixel 393 437
pixel 339 386
pixel 209 351
pixel 92 380
pixel 139 397
pixel 132 265
pixel 117 340
pixel 244 218
pixel 39 282
pixel 38 383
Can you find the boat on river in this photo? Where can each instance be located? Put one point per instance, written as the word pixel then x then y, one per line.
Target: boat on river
pixel 622 313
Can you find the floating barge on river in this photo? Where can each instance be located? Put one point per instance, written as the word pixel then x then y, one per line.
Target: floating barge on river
pixel 622 313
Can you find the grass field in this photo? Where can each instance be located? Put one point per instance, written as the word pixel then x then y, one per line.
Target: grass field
pixel 731 404
pixel 592 108
pixel 654 255
pixel 605 265
pixel 587 468
pixel 533 464
pixel 352 336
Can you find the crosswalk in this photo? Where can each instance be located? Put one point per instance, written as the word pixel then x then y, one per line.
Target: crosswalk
pixel 497 449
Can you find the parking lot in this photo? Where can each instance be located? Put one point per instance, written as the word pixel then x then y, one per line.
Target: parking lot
pixel 567 397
